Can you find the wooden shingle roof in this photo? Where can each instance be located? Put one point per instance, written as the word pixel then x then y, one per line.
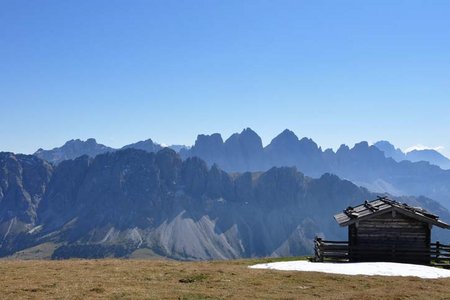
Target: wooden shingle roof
pixel 383 205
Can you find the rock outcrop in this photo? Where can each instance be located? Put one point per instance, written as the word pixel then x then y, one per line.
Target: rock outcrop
pixel 119 202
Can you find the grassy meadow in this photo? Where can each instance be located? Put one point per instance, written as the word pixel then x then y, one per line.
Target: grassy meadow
pixel 164 279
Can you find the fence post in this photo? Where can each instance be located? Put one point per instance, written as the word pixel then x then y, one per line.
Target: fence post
pixel 438 251
pixel 317 249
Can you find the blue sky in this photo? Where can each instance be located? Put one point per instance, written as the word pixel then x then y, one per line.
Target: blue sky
pixel 122 71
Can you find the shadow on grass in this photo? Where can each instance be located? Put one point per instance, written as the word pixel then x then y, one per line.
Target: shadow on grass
pixel 266 260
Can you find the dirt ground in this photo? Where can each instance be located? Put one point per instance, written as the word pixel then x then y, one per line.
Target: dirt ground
pixel 162 279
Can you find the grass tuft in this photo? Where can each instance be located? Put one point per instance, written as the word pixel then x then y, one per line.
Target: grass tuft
pixel 196 297
pixel 193 278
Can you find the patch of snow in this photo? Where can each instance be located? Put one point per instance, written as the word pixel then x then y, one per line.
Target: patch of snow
pixel 9 228
pixel 107 235
pixel 369 268
pixel 423 147
pixel 136 236
pixel 35 229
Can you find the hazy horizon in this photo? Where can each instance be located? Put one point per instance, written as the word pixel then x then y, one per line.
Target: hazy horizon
pixel 265 143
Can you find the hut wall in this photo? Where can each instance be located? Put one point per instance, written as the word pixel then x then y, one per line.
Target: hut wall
pixel 390 237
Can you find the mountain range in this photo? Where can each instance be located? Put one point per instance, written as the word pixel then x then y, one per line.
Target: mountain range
pixel 73 149
pixel 363 164
pixel 429 155
pixel 76 148
pixel 218 199
pixel 380 167
pixel 132 202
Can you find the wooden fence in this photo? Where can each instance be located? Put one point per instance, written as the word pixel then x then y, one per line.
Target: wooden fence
pixel 339 251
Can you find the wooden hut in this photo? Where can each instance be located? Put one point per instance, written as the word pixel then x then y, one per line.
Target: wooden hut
pixel 386 230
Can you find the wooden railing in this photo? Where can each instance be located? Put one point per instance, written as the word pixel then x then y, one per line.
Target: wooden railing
pixel 330 250
pixel 340 251
pixel 440 254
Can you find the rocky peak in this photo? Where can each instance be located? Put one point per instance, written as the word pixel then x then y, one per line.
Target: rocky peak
pixel 147 145
pixel 247 141
pixel 91 141
pixel 368 153
pixel 361 146
pixel 209 141
pixel 287 140
pixel 385 146
pixel 72 149
pixel 307 145
pixel 343 149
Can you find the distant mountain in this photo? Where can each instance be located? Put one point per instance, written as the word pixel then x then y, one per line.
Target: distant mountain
pixel 178 148
pixel 287 149
pixel 363 164
pixel 76 148
pixel 73 149
pixel 389 150
pixel 428 155
pixel 432 156
pixel 147 145
pixel 129 200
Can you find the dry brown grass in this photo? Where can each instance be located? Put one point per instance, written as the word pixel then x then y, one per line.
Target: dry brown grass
pixel 146 279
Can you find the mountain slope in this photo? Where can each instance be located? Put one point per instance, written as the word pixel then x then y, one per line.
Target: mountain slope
pixel 119 202
pixel 23 183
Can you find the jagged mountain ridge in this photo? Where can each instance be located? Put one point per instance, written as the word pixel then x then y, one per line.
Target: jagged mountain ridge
pixel 76 148
pixel 429 155
pixel 73 149
pixel 363 164
pixel 122 201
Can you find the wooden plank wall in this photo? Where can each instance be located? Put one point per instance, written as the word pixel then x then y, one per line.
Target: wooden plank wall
pixel 390 237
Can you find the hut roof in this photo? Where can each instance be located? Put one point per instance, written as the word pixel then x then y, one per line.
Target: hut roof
pixel 383 205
